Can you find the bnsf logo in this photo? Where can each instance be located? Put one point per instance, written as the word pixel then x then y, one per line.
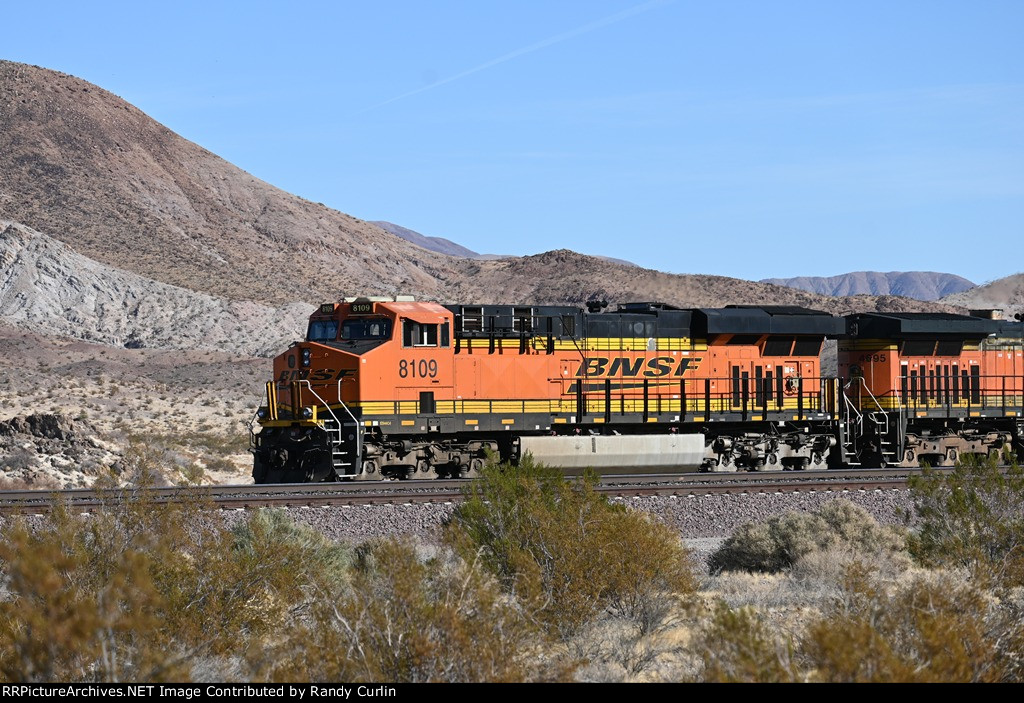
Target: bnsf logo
pixel 600 366
pixel 314 375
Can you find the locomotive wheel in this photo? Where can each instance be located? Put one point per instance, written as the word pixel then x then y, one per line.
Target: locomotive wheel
pixel 473 471
pixel 424 470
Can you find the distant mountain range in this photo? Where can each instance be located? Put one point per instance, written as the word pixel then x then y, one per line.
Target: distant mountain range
pixel 919 285
pixel 438 244
pixel 447 246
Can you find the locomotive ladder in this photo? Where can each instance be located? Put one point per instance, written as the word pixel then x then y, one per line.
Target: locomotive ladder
pixel 853 419
pixel 890 451
pixel 336 434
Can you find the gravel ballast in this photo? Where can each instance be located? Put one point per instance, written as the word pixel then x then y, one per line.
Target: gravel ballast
pixel 695 517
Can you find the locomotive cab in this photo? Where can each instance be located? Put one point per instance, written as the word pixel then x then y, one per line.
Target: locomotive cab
pixel 311 427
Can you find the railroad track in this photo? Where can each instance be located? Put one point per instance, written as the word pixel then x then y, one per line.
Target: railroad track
pixel 231 497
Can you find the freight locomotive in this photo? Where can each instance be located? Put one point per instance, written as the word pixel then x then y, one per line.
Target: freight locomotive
pixel 404 389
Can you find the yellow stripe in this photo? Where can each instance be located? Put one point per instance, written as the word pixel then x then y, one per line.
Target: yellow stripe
pixel 472 422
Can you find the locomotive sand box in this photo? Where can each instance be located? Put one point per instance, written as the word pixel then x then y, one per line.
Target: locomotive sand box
pixel 395 387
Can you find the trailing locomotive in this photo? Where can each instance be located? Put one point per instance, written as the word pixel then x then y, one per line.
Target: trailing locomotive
pixel 399 388
pixel 929 387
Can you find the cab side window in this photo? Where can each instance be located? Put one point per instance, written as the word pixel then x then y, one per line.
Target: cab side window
pixel 418 334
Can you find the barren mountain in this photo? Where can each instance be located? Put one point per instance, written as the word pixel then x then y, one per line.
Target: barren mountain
pixel 47 287
pixel 1006 294
pixel 83 166
pixel 919 285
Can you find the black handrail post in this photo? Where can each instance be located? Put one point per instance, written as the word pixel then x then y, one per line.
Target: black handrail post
pixel 1004 396
pixel 682 400
pixel 707 400
pixel 607 400
pixel 646 391
pixel 745 379
pixel 800 397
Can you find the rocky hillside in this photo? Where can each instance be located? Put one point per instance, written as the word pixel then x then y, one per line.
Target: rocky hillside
pixel 567 277
pixel 52 451
pixel 47 287
pixel 1004 293
pixel 919 285
pixel 84 166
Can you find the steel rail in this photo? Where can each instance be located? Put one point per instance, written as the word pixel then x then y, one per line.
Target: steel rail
pixel 399 492
pixel 448 484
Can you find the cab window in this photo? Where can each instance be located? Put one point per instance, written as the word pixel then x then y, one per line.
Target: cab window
pixel 366 328
pixel 322 331
pixel 418 334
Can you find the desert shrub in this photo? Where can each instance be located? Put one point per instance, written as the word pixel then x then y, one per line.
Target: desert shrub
pixel 76 609
pixel 778 543
pixel 972 517
pixel 827 567
pixel 567 552
pixel 934 629
pixel 145 590
pixel 736 646
pixel 408 620
pixel 312 552
pixel 930 627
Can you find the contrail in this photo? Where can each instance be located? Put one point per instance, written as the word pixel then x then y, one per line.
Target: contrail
pixel 590 27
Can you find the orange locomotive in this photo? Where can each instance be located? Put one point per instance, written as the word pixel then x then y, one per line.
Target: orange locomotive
pixel 417 389
pixel 929 387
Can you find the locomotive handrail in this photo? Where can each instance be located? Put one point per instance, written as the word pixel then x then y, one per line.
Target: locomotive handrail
pixel 359 448
pixel 850 406
pixel 359 435
pixel 864 385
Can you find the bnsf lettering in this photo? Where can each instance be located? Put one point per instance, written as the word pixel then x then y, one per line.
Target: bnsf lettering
pixel 622 366
pixel 318 375
pixel 597 366
pixel 594 366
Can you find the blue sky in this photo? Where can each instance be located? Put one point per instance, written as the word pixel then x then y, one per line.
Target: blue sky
pixel 749 139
